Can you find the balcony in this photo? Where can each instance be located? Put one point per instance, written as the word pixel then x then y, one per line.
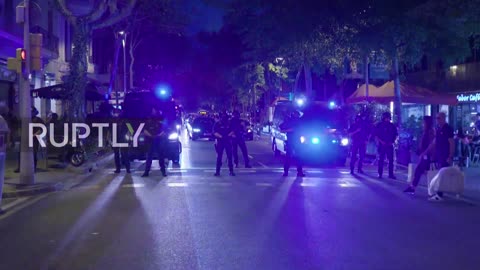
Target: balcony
pixel 50 41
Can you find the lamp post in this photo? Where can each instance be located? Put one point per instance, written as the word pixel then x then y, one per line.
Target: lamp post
pixel 123 34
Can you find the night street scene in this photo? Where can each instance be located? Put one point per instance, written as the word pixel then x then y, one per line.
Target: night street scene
pixel 239 134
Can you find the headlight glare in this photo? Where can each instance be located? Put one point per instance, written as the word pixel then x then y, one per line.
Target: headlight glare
pixel 344 142
pixel 173 136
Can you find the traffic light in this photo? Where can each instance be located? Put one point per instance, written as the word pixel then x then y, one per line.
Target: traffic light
pixel 36 52
pixel 17 64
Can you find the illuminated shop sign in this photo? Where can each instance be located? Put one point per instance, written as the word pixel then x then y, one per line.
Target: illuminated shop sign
pixel 469 98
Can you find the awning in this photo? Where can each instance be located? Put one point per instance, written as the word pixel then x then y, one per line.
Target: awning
pixel 409 93
pixel 58 92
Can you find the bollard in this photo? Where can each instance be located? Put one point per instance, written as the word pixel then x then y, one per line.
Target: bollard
pixel 3 148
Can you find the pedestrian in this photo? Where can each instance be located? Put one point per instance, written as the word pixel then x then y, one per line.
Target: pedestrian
pixel 386 134
pixel 289 126
pixel 425 156
pixel 223 133
pixel 358 135
pixel 238 140
pixel 443 146
pixel 155 132
pixel 36 144
pixel 122 134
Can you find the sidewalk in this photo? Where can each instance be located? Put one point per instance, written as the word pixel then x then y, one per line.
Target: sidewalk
pixel 472 180
pixel 49 179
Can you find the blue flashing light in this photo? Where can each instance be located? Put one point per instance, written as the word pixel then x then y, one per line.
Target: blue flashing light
pixel 332 104
pixel 162 92
pixel 315 140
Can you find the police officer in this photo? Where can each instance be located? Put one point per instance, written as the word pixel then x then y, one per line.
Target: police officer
pixel 155 134
pixel 359 142
pixel 289 127
pixel 239 139
pixel 386 134
pixel 121 153
pixel 223 134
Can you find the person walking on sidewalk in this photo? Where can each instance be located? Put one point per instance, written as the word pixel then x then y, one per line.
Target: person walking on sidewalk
pixel 386 134
pixel 223 133
pixel 425 156
pixel 239 140
pixel 443 146
pixel 358 135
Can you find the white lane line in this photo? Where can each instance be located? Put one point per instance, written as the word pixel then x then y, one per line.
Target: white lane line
pixel 250 156
pixel 263 184
pixel 224 184
pixel 177 171
pixel 263 165
pixel 177 184
pixel 134 185
pixel 307 185
pixel 18 201
pixel 9 213
pixel 209 171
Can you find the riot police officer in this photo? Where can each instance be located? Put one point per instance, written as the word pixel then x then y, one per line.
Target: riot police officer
pixel 121 153
pixel 223 134
pixel 358 135
pixel 289 126
pixel 238 140
pixel 156 135
pixel 386 134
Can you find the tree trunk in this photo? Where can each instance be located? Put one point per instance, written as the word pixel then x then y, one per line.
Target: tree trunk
pixel 308 80
pixel 132 59
pixel 297 79
pixel 366 75
pixel 398 94
pixel 78 72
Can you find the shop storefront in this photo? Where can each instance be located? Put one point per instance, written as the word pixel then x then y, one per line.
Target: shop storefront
pixel 465 113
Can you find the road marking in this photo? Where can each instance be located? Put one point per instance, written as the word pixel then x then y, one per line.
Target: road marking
pixel 9 213
pixel 11 205
pixel 263 165
pixel 250 156
pixel 222 184
pixel 134 185
pixel 308 185
pixel 177 171
pixel 177 184
pixel 263 184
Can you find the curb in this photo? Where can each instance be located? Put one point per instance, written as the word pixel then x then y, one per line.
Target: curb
pixel 31 191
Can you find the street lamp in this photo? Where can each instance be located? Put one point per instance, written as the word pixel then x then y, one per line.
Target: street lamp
pixel 123 36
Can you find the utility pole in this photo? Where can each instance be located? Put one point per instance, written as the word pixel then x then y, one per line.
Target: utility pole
pixel 27 173
pixel 124 41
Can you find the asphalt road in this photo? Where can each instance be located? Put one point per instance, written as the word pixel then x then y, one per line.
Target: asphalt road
pixel 255 220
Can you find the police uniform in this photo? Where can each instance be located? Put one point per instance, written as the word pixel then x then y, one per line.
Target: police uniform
pixel 289 126
pixel 155 144
pixel 121 154
pixel 359 141
pixel 386 132
pixel 224 143
pixel 239 141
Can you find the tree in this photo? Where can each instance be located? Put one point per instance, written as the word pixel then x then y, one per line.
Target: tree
pixel 149 18
pixel 104 13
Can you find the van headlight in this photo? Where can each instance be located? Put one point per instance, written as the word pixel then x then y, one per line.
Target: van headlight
pixel 344 141
pixel 302 139
pixel 173 136
pixel 196 130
